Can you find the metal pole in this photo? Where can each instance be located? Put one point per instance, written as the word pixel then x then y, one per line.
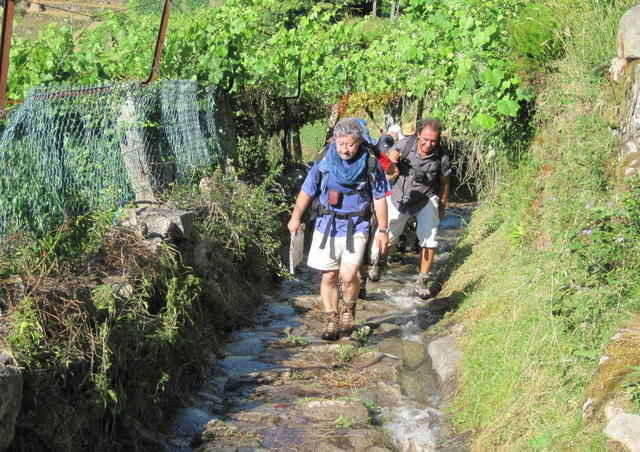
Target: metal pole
pixel 7 30
pixel 155 66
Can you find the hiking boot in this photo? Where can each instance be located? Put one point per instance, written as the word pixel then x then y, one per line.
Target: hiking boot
pixel 362 294
pixel 395 258
pixel 330 332
pixel 347 318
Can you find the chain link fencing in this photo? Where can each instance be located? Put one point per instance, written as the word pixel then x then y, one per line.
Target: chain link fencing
pixel 69 150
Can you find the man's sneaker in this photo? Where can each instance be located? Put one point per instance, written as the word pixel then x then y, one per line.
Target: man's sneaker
pixel 374 272
pixel 424 286
pixel 402 243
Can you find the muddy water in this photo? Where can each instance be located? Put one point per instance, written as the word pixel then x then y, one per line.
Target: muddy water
pixel 279 387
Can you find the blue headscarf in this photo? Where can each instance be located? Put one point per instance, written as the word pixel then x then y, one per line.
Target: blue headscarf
pixel 345 172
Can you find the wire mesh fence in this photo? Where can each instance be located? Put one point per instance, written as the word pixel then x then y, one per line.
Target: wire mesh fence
pixel 69 150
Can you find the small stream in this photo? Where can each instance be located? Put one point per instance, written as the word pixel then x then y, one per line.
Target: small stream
pixel 279 387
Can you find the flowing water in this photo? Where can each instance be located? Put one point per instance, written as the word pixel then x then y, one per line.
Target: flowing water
pixel 279 387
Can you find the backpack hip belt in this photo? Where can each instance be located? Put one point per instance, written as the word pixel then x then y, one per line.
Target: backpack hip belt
pixel 366 214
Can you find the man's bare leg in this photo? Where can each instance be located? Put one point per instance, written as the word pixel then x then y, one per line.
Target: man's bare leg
pixel 427 256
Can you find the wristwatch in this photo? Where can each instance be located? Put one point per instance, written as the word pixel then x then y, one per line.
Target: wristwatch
pixel 384 231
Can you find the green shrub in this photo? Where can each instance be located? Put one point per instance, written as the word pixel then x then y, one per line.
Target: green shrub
pixel 534 37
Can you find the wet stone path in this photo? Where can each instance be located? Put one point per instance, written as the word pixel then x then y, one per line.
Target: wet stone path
pixel 280 387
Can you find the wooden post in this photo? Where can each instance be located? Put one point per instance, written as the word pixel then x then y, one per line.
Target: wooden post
pixel 133 152
pixel 157 54
pixel 5 49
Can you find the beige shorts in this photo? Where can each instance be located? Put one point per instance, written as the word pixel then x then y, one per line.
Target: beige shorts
pixel 427 219
pixel 325 260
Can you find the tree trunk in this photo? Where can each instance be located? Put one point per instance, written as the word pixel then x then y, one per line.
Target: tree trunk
pixel 285 142
pixel 296 144
pixel 420 108
pixel 393 112
pixel 374 8
pixel 223 127
pixel 334 116
pixel 395 9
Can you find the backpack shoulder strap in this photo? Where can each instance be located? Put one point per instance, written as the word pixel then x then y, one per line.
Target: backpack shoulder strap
pixel 372 165
pixel 408 146
pixel 322 155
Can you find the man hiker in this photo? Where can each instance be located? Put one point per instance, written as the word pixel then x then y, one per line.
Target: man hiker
pixel 421 190
pixel 348 182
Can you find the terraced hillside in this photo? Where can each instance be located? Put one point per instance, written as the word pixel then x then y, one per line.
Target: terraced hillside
pixel 33 16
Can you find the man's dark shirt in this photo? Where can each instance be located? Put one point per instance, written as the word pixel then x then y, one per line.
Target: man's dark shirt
pixel 419 177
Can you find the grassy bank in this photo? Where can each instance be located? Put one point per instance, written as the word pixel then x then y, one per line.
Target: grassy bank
pixel 112 331
pixel 553 271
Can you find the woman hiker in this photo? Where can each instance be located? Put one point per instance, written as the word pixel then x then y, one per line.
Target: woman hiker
pixel 348 182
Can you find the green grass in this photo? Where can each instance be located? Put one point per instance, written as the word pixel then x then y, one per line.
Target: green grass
pixel 554 263
pixel 312 137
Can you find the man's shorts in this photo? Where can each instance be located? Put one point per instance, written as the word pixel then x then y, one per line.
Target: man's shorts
pixel 427 219
pixel 325 260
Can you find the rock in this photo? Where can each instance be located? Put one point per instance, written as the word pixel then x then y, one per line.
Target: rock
pixel 367 360
pixel 35 8
pixel 330 410
pixel 189 421
pixel 202 256
pixel 587 409
pixel 258 417
pixel 392 346
pixel 625 429
pixel 209 397
pixel 386 395
pixel 249 346
pixel 326 446
pixel 306 302
pixel 628 42
pixel 166 223
pixel 629 157
pixel 445 357
pixel 366 440
pixel 206 185
pixel 160 223
pixel 11 382
pixel 120 286
pixel 414 430
pixel 412 354
pixel 384 328
pixel 218 435
pixel 607 383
